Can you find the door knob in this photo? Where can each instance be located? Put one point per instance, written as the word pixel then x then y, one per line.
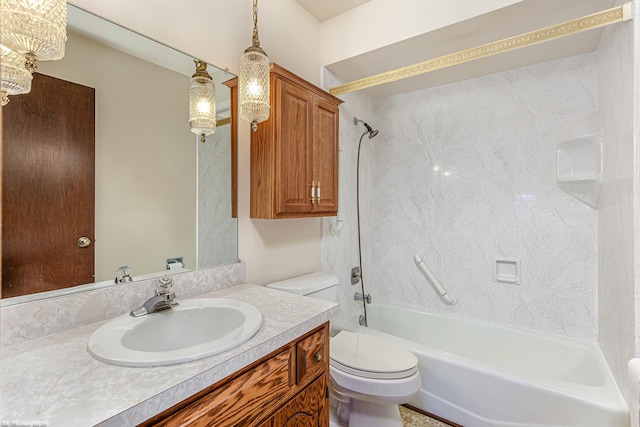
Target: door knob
pixel 83 242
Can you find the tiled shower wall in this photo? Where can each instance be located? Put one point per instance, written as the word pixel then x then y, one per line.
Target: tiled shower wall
pixel 616 319
pixel 340 250
pixel 464 173
pixel 217 230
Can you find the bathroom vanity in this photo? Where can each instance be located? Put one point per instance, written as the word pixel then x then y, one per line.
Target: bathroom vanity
pixel 277 377
pixel 286 388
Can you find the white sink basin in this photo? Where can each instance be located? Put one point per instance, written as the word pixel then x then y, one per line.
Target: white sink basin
pixel 194 329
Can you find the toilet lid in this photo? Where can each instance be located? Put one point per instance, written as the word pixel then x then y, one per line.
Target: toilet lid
pixel 370 356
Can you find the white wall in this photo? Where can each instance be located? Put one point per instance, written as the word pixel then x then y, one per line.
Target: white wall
pixel 368 27
pixel 145 171
pixel 218 32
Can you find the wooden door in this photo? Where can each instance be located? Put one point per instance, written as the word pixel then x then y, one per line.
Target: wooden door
pixel 48 187
pixel 325 155
pixel 293 148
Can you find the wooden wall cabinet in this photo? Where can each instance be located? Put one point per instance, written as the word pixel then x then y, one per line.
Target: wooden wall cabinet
pixel 288 388
pixel 294 154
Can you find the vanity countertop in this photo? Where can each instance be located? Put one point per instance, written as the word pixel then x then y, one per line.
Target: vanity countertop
pixel 54 381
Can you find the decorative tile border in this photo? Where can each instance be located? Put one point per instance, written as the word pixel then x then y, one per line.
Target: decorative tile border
pixel 596 20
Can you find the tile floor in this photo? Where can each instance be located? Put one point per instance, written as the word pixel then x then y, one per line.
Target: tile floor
pixel 414 419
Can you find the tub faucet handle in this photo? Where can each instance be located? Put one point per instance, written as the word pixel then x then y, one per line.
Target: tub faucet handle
pixel 356 274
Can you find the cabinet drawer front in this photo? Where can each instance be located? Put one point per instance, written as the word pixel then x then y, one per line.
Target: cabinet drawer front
pixel 238 402
pixel 311 356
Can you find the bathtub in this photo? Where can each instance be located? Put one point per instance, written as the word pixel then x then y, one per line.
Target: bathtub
pixel 479 374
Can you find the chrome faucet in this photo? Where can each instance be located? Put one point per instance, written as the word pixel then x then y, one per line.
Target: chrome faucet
pixel 163 299
pixel 359 297
pixel 124 274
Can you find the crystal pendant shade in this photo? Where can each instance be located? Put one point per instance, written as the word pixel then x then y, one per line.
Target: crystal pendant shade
pixel 202 104
pixel 16 79
pixel 37 28
pixel 253 87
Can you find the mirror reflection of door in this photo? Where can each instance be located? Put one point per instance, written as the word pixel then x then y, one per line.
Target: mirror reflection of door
pixel 48 186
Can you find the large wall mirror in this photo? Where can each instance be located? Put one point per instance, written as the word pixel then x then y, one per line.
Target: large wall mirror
pixel 158 193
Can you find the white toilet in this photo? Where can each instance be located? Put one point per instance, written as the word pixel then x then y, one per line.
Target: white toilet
pixel 370 375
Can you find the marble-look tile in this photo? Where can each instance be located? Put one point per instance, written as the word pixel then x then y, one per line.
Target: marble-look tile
pixel 217 230
pixel 340 251
pixel 617 222
pixel 44 317
pixel 466 172
pixel 636 166
pixel 54 378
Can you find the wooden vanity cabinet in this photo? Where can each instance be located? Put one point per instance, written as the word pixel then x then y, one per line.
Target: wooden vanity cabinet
pixel 294 154
pixel 289 388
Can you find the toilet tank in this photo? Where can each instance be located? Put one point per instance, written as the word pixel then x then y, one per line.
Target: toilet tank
pixel 315 285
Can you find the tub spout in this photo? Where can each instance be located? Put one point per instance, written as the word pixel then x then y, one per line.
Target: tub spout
pixel 359 297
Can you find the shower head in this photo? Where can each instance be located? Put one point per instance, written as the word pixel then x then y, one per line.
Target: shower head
pixel 372 133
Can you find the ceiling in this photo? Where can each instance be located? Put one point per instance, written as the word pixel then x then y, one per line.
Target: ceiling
pixel 327 9
pixel 526 16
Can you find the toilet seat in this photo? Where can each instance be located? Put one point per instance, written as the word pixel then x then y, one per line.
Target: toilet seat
pixel 369 356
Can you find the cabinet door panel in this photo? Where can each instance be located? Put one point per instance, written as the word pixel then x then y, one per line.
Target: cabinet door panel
pixel 293 148
pixel 325 155
pixel 309 409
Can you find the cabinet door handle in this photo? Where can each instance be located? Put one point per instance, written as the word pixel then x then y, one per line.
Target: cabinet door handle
pixel 318 194
pixel 313 192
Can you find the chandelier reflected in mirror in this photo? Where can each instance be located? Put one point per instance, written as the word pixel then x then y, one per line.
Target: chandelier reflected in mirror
pixel 202 102
pixel 35 30
pixel 16 79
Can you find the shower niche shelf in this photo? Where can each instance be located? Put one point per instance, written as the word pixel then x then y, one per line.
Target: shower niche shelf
pixel 580 168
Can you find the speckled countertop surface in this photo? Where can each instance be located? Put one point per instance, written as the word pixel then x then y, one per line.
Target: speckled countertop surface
pixel 54 381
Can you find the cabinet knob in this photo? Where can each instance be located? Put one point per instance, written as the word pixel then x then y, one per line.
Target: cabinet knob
pixel 318 356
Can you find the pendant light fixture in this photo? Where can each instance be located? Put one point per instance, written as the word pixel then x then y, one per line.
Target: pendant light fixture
pixel 253 81
pixel 36 29
pixel 16 79
pixel 202 102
